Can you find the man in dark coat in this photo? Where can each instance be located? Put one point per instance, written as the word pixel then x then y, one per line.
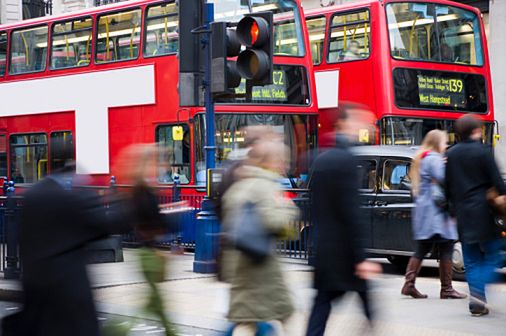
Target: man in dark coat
pixel 471 172
pixel 56 224
pixel 340 264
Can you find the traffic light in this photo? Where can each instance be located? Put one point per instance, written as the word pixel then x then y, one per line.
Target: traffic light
pixel 255 32
pixel 224 44
pixel 191 54
pixel 252 42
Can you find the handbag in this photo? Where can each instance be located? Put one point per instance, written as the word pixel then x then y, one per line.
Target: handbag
pixel 438 196
pixel 249 235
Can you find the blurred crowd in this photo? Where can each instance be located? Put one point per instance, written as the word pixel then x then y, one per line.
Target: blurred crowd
pixel 455 191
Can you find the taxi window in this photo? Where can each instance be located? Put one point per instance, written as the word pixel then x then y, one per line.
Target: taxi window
pixel 396 175
pixel 367 174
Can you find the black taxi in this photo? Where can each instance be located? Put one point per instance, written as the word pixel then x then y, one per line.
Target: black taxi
pixel 387 204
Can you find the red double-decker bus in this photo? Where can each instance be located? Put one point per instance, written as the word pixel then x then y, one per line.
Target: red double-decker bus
pixel 418 65
pixel 87 84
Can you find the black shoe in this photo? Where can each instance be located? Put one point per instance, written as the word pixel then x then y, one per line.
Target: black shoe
pixel 478 310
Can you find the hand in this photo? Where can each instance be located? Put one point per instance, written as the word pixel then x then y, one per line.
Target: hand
pixel 366 270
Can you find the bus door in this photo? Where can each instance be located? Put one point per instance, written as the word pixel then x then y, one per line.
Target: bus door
pixel 392 207
pixel 367 170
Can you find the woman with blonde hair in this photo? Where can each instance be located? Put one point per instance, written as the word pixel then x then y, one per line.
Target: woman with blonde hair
pixel 258 290
pixel 432 226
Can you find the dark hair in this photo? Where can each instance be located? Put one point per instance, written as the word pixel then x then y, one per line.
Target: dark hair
pixel 464 126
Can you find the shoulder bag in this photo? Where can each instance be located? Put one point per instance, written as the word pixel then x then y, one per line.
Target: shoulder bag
pixel 249 234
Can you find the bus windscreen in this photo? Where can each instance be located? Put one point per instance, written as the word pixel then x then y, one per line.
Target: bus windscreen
pixel 435 33
pixel 440 90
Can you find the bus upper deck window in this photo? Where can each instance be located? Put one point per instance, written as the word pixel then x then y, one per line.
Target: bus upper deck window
pixel 28 50
pixel 438 33
pixel 160 35
pixel 71 43
pixel 3 52
pixel 118 36
pixel 349 38
pixel 316 30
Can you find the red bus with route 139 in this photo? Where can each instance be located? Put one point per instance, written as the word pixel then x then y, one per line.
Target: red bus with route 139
pixel 418 65
pixel 87 84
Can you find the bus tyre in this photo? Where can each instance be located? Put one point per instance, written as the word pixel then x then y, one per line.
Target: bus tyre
pixel 400 262
pixel 459 269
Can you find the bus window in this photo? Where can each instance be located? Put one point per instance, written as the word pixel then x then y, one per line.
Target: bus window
pixel 297 131
pixel 396 175
pixel 61 149
pixel 71 44
pixel 3 52
pixel 28 162
pixel 174 154
pixel 316 29
pixel 160 35
pixel 430 32
pixel 3 155
pixel 285 37
pixel 28 50
pixel 349 37
pixel 118 36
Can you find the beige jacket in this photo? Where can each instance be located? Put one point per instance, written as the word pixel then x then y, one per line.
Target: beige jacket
pixel 258 291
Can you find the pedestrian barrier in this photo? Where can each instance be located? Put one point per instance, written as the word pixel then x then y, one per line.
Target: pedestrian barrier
pixel 297 243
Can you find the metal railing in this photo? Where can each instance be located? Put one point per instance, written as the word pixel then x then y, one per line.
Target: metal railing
pixel 297 244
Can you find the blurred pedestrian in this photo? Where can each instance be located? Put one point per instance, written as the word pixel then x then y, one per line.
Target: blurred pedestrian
pixel 340 264
pixel 470 172
pixel 236 159
pixel 56 223
pixel 432 225
pixel 258 290
pixel 141 162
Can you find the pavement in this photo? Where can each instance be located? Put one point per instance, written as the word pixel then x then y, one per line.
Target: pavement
pixel 199 302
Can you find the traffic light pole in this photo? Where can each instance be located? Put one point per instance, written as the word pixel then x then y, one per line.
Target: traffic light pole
pixel 207 230
pixel 210 147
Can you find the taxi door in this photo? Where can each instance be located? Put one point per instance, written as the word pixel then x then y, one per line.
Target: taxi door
pixel 392 207
pixel 367 170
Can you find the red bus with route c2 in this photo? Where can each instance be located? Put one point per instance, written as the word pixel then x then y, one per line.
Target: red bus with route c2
pixel 418 65
pixel 87 84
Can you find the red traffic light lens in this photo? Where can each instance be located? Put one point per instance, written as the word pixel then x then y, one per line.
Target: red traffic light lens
pixel 254 32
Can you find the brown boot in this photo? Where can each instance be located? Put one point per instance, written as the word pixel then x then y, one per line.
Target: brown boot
pixel 446 274
pixel 412 270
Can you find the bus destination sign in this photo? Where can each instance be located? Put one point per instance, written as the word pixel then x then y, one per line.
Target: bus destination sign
pixel 274 92
pixel 441 91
